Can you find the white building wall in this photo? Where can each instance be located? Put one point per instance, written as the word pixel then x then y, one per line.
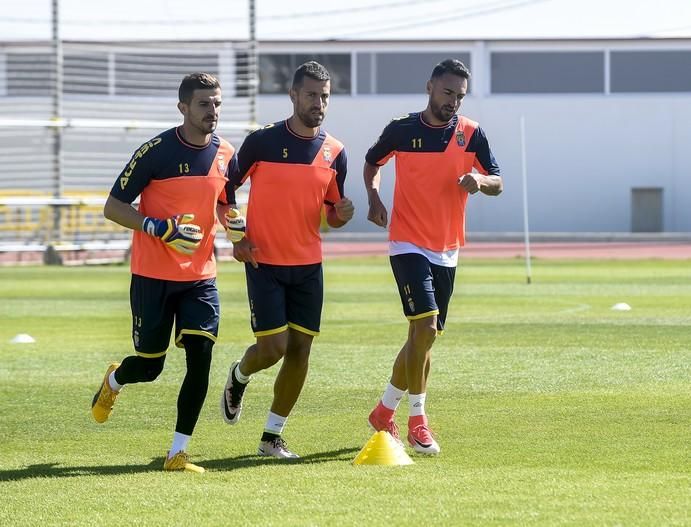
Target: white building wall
pixel 584 154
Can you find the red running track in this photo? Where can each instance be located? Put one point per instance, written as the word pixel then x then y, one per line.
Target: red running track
pixel 538 250
pixel 505 250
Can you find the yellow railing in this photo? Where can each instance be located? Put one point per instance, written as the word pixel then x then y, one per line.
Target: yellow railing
pixel 37 216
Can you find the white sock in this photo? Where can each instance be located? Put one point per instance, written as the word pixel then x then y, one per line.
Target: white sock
pixel 275 424
pixel 392 396
pixel 417 404
pixel 179 443
pixel 113 383
pixel 241 377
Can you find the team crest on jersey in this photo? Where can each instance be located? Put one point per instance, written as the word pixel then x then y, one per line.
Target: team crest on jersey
pixel 460 137
pixel 326 152
pixel 221 164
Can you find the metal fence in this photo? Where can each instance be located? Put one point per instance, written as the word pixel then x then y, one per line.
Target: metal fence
pixel 69 123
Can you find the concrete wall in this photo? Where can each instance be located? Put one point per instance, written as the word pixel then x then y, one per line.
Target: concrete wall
pixel 584 154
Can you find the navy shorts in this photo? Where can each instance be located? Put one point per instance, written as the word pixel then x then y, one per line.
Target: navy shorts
pixel 283 296
pixel 157 304
pixel 425 288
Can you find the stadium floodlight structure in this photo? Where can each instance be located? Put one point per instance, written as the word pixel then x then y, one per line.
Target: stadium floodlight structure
pixel 72 113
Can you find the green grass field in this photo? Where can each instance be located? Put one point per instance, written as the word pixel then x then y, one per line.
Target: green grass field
pixel 550 408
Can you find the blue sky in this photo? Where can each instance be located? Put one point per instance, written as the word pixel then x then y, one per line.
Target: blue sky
pixel 360 20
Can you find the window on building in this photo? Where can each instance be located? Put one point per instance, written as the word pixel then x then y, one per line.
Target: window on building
pixel 30 74
pixel 398 73
pixel 275 73
pixel 365 75
pixel 86 74
pixel 276 70
pixel 156 74
pixel 650 71
pixel 244 74
pixel 548 72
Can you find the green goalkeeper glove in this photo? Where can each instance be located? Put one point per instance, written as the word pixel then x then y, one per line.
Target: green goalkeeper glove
pixel 176 232
pixel 235 225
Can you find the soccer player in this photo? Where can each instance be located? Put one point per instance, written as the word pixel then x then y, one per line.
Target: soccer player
pixel 436 151
pixel 181 177
pixel 296 169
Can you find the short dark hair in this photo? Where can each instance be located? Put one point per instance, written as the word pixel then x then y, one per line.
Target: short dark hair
pixel 452 66
pixel 196 81
pixel 311 69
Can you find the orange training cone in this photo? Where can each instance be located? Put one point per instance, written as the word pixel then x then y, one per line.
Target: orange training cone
pixel 382 449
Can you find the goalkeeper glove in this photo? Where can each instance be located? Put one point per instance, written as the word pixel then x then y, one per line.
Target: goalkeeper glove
pixel 235 225
pixel 176 232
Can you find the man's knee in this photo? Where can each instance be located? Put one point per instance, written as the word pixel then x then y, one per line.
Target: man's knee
pixel 424 332
pixel 299 347
pixel 198 351
pixel 153 367
pixel 272 348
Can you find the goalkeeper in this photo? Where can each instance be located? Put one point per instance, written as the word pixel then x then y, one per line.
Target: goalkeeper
pixel 181 177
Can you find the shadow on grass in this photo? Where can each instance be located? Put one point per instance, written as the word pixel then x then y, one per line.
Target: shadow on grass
pixel 248 461
pixel 56 470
